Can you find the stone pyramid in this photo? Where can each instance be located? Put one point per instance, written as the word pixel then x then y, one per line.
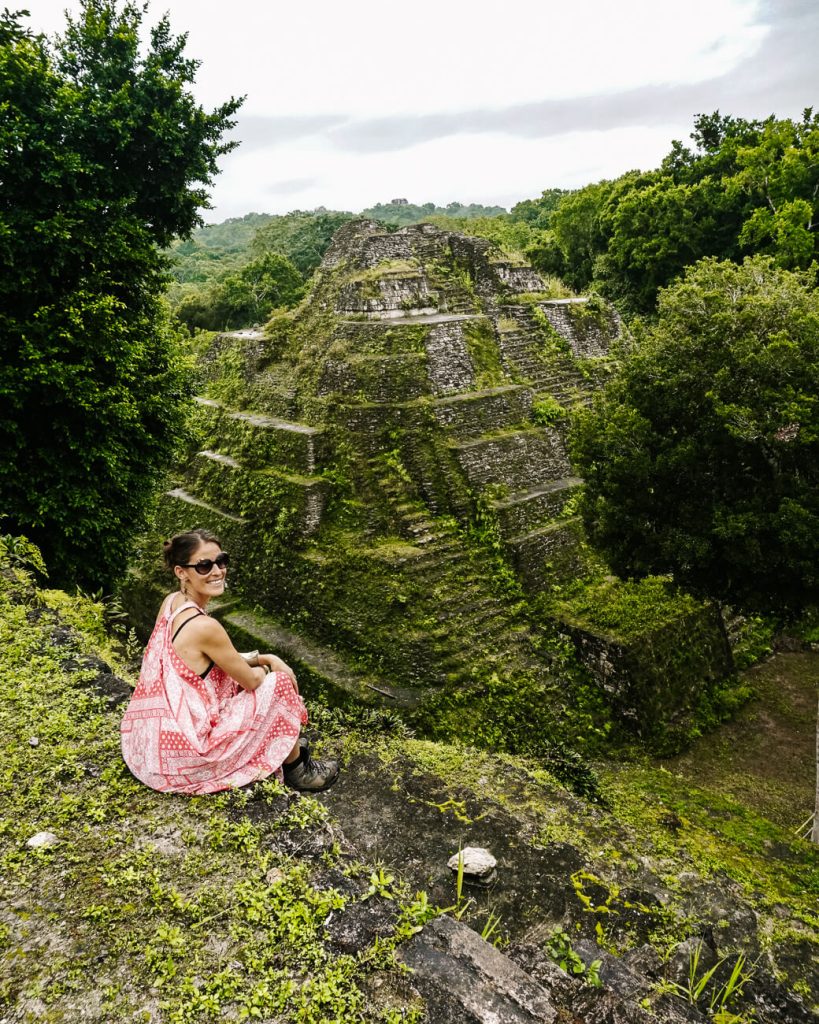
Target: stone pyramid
pixel 388 467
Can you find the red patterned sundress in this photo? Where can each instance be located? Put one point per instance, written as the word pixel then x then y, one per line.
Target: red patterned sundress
pixel 185 734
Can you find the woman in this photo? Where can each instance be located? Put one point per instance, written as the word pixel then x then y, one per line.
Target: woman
pixel 203 717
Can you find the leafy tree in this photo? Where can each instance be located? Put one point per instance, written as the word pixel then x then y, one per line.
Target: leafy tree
pixel 745 187
pixel 701 459
pixel 576 229
pixel 303 237
pixel 537 213
pixel 513 236
pixel 654 231
pixel 104 157
pixel 246 298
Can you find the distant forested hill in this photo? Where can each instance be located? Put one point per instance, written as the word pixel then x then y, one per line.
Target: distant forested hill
pixel 401 212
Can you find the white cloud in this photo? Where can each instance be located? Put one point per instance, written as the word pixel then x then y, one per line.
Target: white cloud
pixel 488 168
pixel 365 58
pixel 353 103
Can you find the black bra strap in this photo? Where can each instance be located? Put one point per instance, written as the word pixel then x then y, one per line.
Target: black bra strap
pixel 182 626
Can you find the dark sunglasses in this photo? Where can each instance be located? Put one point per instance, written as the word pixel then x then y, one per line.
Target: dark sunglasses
pixel 204 565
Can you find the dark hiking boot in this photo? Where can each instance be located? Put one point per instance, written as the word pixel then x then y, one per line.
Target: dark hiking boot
pixel 310 776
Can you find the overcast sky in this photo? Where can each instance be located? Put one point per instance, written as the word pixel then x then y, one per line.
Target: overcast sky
pixel 349 104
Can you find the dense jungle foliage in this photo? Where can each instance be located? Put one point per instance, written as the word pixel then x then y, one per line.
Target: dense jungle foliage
pixel 701 458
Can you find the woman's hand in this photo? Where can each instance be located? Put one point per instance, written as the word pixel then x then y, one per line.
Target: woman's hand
pixel 275 664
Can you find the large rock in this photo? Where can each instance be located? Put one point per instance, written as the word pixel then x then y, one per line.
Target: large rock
pixel 465 980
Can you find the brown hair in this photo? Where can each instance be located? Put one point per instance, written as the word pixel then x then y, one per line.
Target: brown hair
pixel 178 550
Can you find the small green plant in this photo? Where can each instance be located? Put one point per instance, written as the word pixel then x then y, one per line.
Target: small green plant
pixel 19 551
pixel 415 915
pixel 491 929
pixel 547 411
pixel 560 949
pixel 695 988
pixel 380 883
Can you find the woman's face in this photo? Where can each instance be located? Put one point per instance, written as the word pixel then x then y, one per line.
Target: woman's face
pixel 203 586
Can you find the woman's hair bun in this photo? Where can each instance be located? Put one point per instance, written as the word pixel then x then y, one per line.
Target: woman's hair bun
pixel 179 549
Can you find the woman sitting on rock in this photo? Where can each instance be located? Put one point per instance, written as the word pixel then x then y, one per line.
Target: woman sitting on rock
pixel 203 716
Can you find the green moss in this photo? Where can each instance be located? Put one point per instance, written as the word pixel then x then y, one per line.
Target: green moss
pixel 483 351
pixel 555 289
pixel 716 833
pixel 623 609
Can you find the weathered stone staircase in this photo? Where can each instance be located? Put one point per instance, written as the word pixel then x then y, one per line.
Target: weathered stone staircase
pixel 523 348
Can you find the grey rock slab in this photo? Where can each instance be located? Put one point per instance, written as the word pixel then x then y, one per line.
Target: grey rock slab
pixel 465 980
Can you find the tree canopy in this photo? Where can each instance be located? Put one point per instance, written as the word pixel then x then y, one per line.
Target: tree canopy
pixel 246 298
pixel 701 458
pixel 745 187
pixel 104 157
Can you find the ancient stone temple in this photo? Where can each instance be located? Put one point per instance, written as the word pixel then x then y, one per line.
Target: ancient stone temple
pixel 388 467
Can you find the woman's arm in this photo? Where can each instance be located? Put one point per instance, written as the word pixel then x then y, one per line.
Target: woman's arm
pixel 216 645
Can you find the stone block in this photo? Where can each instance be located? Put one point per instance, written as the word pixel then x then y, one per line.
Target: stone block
pixel 589 335
pixel 376 378
pixel 518 279
pixel 514 460
pixel 465 980
pixel 521 513
pixel 449 365
pixel 467 416
pixel 546 555
pixel 392 294
pixel 653 681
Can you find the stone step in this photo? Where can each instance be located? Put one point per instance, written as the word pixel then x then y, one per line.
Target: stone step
pixel 517 460
pixel 473 413
pixel 321 672
pixel 179 494
pixel 376 378
pixel 547 555
pixel 434 562
pixel 520 513
pixel 261 494
pixel 258 441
